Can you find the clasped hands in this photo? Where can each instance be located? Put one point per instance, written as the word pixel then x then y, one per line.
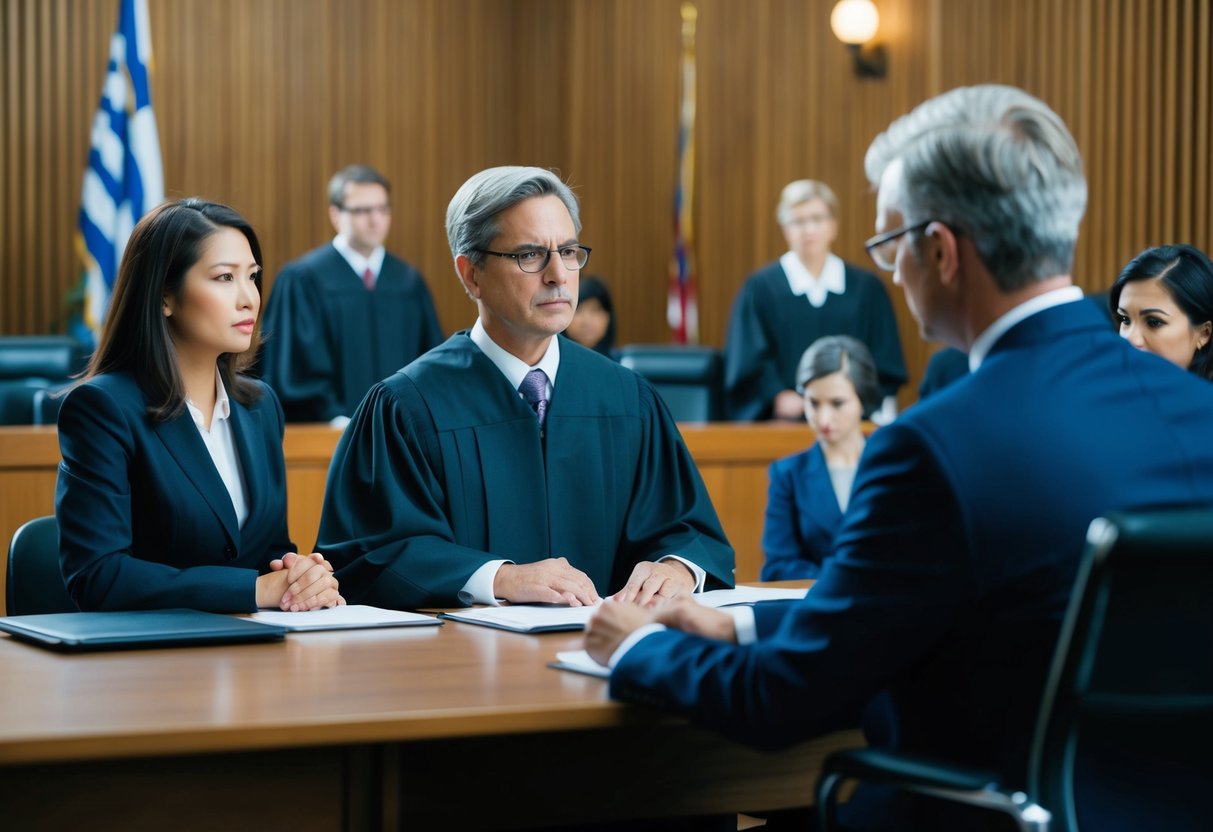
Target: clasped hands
pixel 296 583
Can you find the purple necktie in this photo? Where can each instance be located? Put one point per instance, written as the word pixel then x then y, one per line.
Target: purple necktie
pixel 534 389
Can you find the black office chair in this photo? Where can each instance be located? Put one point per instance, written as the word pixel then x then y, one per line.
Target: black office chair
pixel 690 380
pixel 35 584
pixel 46 403
pixel 30 367
pixel 1124 736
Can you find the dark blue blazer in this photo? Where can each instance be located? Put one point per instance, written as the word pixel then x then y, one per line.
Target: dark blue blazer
pixel 802 518
pixel 957 554
pixel 145 521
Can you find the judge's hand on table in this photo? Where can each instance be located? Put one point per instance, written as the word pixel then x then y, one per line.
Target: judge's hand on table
pixel 296 583
pixel 613 622
pixel 788 405
pixel 654 582
pixel 550 581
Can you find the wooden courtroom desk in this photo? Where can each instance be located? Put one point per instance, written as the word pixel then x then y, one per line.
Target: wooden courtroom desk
pixel 452 727
pixel 732 457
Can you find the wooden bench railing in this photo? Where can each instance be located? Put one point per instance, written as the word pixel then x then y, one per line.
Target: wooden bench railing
pixel 733 459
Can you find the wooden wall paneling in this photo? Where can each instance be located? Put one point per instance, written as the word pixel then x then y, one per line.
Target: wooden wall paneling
pixel 8 159
pixel 1106 112
pixel 1130 140
pixel 1167 187
pixel 1202 148
pixel 1184 56
pixel 259 101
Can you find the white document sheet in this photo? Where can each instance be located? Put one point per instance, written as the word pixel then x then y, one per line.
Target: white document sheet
pixel 351 617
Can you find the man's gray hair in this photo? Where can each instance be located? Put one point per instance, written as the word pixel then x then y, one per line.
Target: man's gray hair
pixel 996 165
pixel 471 218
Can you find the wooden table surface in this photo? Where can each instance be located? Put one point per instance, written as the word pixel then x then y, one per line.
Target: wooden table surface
pixel 383 729
pixel 314 688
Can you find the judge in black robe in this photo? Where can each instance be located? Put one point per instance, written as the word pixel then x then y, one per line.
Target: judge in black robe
pixel 328 338
pixel 444 468
pixel 771 327
pixel 448 488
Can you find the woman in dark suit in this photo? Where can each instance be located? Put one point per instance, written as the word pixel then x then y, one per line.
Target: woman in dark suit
pixel 172 488
pixel 809 491
pixel 1163 301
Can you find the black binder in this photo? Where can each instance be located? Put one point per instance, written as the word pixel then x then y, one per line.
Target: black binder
pixel 83 631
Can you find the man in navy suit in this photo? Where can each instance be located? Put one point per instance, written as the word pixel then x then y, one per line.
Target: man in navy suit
pixel 955 561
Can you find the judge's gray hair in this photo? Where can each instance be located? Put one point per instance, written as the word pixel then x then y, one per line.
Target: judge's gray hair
pixel 471 218
pixel 996 165
pixel 800 192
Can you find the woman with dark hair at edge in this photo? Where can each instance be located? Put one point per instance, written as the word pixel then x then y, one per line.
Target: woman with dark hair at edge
pixel 593 324
pixel 1163 301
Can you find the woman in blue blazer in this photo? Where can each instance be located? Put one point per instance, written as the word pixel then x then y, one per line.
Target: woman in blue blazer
pixel 172 488
pixel 809 491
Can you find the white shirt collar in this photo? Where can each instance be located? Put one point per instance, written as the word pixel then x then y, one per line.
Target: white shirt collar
pixel 223 407
pixel 986 340
pixel 357 262
pixel 220 442
pixel 512 367
pixel 815 288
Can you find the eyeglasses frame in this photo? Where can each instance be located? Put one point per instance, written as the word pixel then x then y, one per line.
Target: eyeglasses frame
pixel 546 260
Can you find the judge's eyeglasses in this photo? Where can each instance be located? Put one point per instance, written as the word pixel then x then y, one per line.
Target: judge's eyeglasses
pixel 535 260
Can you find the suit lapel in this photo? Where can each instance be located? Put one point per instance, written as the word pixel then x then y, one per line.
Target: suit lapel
pixel 247 433
pixel 181 439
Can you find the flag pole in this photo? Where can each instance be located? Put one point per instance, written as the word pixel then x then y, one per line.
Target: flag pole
pixel 682 306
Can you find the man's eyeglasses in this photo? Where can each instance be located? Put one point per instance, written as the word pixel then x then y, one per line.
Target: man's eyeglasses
pixel 883 247
pixel 535 260
pixel 366 210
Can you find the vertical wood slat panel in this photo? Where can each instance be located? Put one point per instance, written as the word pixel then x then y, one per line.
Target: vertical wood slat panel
pixel 1202 147
pixel 259 101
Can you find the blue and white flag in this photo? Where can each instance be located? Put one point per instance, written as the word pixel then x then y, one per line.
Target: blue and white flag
pixel 124 177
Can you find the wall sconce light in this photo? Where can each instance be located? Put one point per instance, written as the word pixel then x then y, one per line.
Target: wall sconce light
pixel 854 23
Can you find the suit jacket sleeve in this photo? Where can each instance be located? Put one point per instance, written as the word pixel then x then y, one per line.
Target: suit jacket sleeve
pixel 384 523
pixel 298 357
pixel 93 503
pixel 751 375
pixel 899 574
pixel 670 510
pixel 781 543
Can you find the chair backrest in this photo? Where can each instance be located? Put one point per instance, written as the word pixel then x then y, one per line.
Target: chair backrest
pixel 17 399
pixel 56 357
pixel 1126 725
pixel 690 380
pixel 46 403
pixel 31 365
pixel 35 583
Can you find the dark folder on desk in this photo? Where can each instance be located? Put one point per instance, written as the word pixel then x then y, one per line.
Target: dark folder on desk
pixel 80 631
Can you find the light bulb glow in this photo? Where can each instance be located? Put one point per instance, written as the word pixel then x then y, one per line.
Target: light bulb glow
pixel 854 21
